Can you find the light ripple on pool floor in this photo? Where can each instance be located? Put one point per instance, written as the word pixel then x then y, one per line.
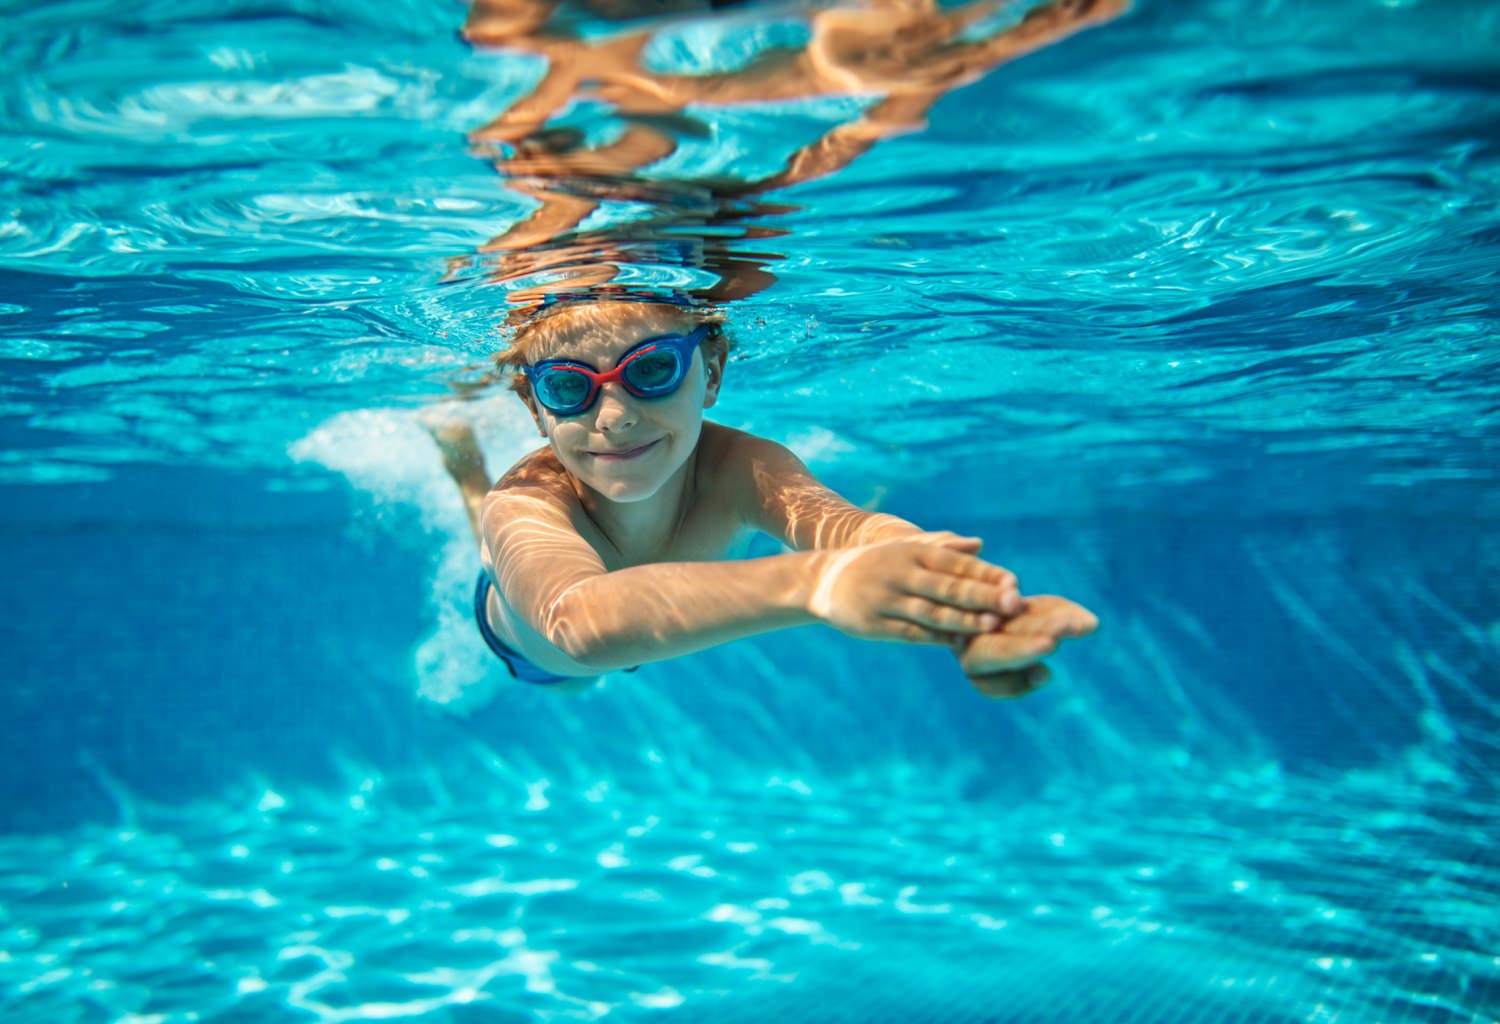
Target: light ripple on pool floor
pixel 1351 899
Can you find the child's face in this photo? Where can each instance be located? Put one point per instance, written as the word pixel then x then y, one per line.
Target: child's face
pixel 623 447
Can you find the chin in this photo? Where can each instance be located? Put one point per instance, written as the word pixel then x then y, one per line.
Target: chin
pixel 624 491
pixel 626 484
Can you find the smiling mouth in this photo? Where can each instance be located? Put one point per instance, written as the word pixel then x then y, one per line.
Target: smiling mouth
pixel 628 453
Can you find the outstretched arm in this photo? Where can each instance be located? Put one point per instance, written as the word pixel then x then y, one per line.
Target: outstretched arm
pixel 1003 661
pixel 780 496
pixel 922 588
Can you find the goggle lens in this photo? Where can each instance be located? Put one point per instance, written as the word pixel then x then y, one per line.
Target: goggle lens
pixel 560 388
pixel 653 372
pixel 653 369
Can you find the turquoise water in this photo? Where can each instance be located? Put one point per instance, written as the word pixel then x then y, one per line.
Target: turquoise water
pixel 1191 315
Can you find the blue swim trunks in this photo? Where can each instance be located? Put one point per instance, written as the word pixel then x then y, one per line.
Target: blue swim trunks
pixel 516 662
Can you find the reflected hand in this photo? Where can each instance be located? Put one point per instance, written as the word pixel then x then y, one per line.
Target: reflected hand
pixel 1006 662
pixel 920 589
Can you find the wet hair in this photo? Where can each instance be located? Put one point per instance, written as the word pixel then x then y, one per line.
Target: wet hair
pixel 528 335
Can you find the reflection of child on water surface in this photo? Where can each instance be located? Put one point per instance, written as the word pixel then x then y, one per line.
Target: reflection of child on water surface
pixel 900 56
pixel 600 550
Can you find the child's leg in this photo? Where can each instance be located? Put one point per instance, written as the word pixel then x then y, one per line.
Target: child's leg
pixel 465 464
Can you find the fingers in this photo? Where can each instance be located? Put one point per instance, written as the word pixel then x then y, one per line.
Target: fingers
pixel 1012 684
pixel 934 615
pixel 970 582
pixel 1048 614
pixel 955 562
pixel 914 633
pixel 950 541
pixel 1005 651
pixel 967 593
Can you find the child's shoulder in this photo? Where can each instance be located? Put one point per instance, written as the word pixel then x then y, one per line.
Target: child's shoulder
pixel 744 467
pixel 737 452
pixel 538 476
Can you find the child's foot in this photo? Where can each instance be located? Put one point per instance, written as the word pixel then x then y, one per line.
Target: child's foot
pixel 462 458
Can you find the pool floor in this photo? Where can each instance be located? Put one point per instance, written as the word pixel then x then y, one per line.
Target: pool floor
pixel 1250 896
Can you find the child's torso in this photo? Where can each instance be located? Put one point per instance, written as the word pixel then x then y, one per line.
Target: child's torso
pixel 710 518
pixel 709 525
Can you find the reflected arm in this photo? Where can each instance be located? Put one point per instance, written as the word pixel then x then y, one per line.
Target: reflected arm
pixel 495 22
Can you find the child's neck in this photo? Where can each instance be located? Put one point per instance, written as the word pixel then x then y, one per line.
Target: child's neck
pixel 643 531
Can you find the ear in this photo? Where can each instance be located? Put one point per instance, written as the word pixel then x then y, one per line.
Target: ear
pixel 714 367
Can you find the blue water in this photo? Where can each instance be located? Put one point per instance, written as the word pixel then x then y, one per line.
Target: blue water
pixel 1192 316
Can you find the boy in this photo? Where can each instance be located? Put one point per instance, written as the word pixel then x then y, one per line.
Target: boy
pixel 600 550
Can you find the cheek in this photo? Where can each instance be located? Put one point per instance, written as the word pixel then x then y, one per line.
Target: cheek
pixel 685 414
pixel 565 436
pixel 688 399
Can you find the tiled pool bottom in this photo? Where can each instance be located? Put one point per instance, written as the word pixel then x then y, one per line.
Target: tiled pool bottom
pixel 1251 897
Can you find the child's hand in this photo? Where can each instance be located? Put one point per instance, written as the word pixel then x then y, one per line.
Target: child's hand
pixel 923 589
pixel 1005 663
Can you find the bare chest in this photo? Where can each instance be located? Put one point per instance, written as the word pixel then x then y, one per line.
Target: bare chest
pixel 704 535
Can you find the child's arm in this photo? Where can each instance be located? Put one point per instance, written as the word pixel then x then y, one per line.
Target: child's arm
pixel 782 498
pixel 922 588
pixel 1002 662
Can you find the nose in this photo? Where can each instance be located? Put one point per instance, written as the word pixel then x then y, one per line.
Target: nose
pixel 616 410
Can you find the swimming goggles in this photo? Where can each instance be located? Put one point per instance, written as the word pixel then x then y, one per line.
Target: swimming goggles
pixel 653 369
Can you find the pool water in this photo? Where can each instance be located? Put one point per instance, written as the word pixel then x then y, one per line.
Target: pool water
pixel 1191 315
